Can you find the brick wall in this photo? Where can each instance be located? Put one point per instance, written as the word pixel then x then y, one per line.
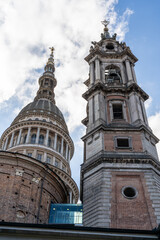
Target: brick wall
pixel 136 213
pixel 27 188
pixel 136 142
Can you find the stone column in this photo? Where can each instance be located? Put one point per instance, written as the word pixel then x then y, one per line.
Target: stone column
pixel 70 196
pixel 37 136
pixel 34 153
pixel 124 111
pixel 45 157
pixel 66 152
pixel 92 73
pixel 69 155
pixel 97 69
pixel 62 146
pixel 11 141
pixel 54 160
pixel 73 200
pixel 28 135
pixel 24 151
pixel 46 139
pixel 5 145
pixel 133 72
pixel 111 110
pixel 129 73
pixel 144 112
pixel 55 141
pixel 91 111
pixel 19 136
pixel 60 164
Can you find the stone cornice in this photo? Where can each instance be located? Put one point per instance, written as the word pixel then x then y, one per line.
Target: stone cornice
pixel 18 157
pixel 115 89
pixel 130 127
pixel 125 52
pixel 127 159
pixel 42 148
pixel 67 180
pixel 40 113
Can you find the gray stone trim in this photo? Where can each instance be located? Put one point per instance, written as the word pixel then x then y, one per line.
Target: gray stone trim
pixel 153 184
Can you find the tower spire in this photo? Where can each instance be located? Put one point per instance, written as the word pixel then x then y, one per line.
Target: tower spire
pixel 47 81
pixel 106 33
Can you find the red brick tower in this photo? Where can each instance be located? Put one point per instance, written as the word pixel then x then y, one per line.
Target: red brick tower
pixel 120 176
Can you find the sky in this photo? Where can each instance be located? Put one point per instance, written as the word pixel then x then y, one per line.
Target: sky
pixel 29 27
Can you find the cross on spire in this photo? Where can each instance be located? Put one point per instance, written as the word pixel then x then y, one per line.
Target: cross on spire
pixel 105 23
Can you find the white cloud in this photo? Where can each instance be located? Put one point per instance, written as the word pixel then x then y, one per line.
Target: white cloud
pixel 154 121
pixel 26 33
pixel 121 27
pixel 29 27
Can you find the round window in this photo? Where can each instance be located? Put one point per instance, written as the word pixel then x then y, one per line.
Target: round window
pixel 129 192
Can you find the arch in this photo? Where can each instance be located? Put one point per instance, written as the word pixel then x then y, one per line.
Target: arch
pixel 58 144
pixel 64 149
pixel 41 139
pixel 113 74
pixel 33 138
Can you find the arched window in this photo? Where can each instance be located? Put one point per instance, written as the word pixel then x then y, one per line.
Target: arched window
pixel 41 139
pixel 25 138
pixel 64 149
pixel 49 142
pixel 112 74
pixel 33 138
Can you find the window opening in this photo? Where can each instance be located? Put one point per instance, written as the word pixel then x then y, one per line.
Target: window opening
pixel 123 142
pixel 112 74
pixel 49 142
pixel 48 160
pixel 117 111
pixel 110 46
pixel 56 163
pixel 33 138
pixel 25 138
pixel 30 154
pixel 39 157
pixel 129 192
pixel 41 139
pixel 64 149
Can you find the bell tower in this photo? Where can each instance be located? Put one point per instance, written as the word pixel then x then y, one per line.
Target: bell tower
pixel 120 175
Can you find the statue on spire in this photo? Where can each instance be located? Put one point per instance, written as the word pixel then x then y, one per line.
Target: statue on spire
pixel 52 49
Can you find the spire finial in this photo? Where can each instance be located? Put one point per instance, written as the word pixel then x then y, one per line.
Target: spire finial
pixel 105 23
pixel 52 49
pixel 106 33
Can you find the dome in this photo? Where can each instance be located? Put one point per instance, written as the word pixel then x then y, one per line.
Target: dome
pixel 41 106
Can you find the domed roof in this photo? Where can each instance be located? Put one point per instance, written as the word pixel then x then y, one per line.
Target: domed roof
pixel 42 105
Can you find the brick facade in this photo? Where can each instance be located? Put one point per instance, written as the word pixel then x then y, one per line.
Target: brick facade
pixel 27 188
pixel 136 142
pixel 136 213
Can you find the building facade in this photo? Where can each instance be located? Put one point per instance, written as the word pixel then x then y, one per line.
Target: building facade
pixel 35 158
pixel 120 175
